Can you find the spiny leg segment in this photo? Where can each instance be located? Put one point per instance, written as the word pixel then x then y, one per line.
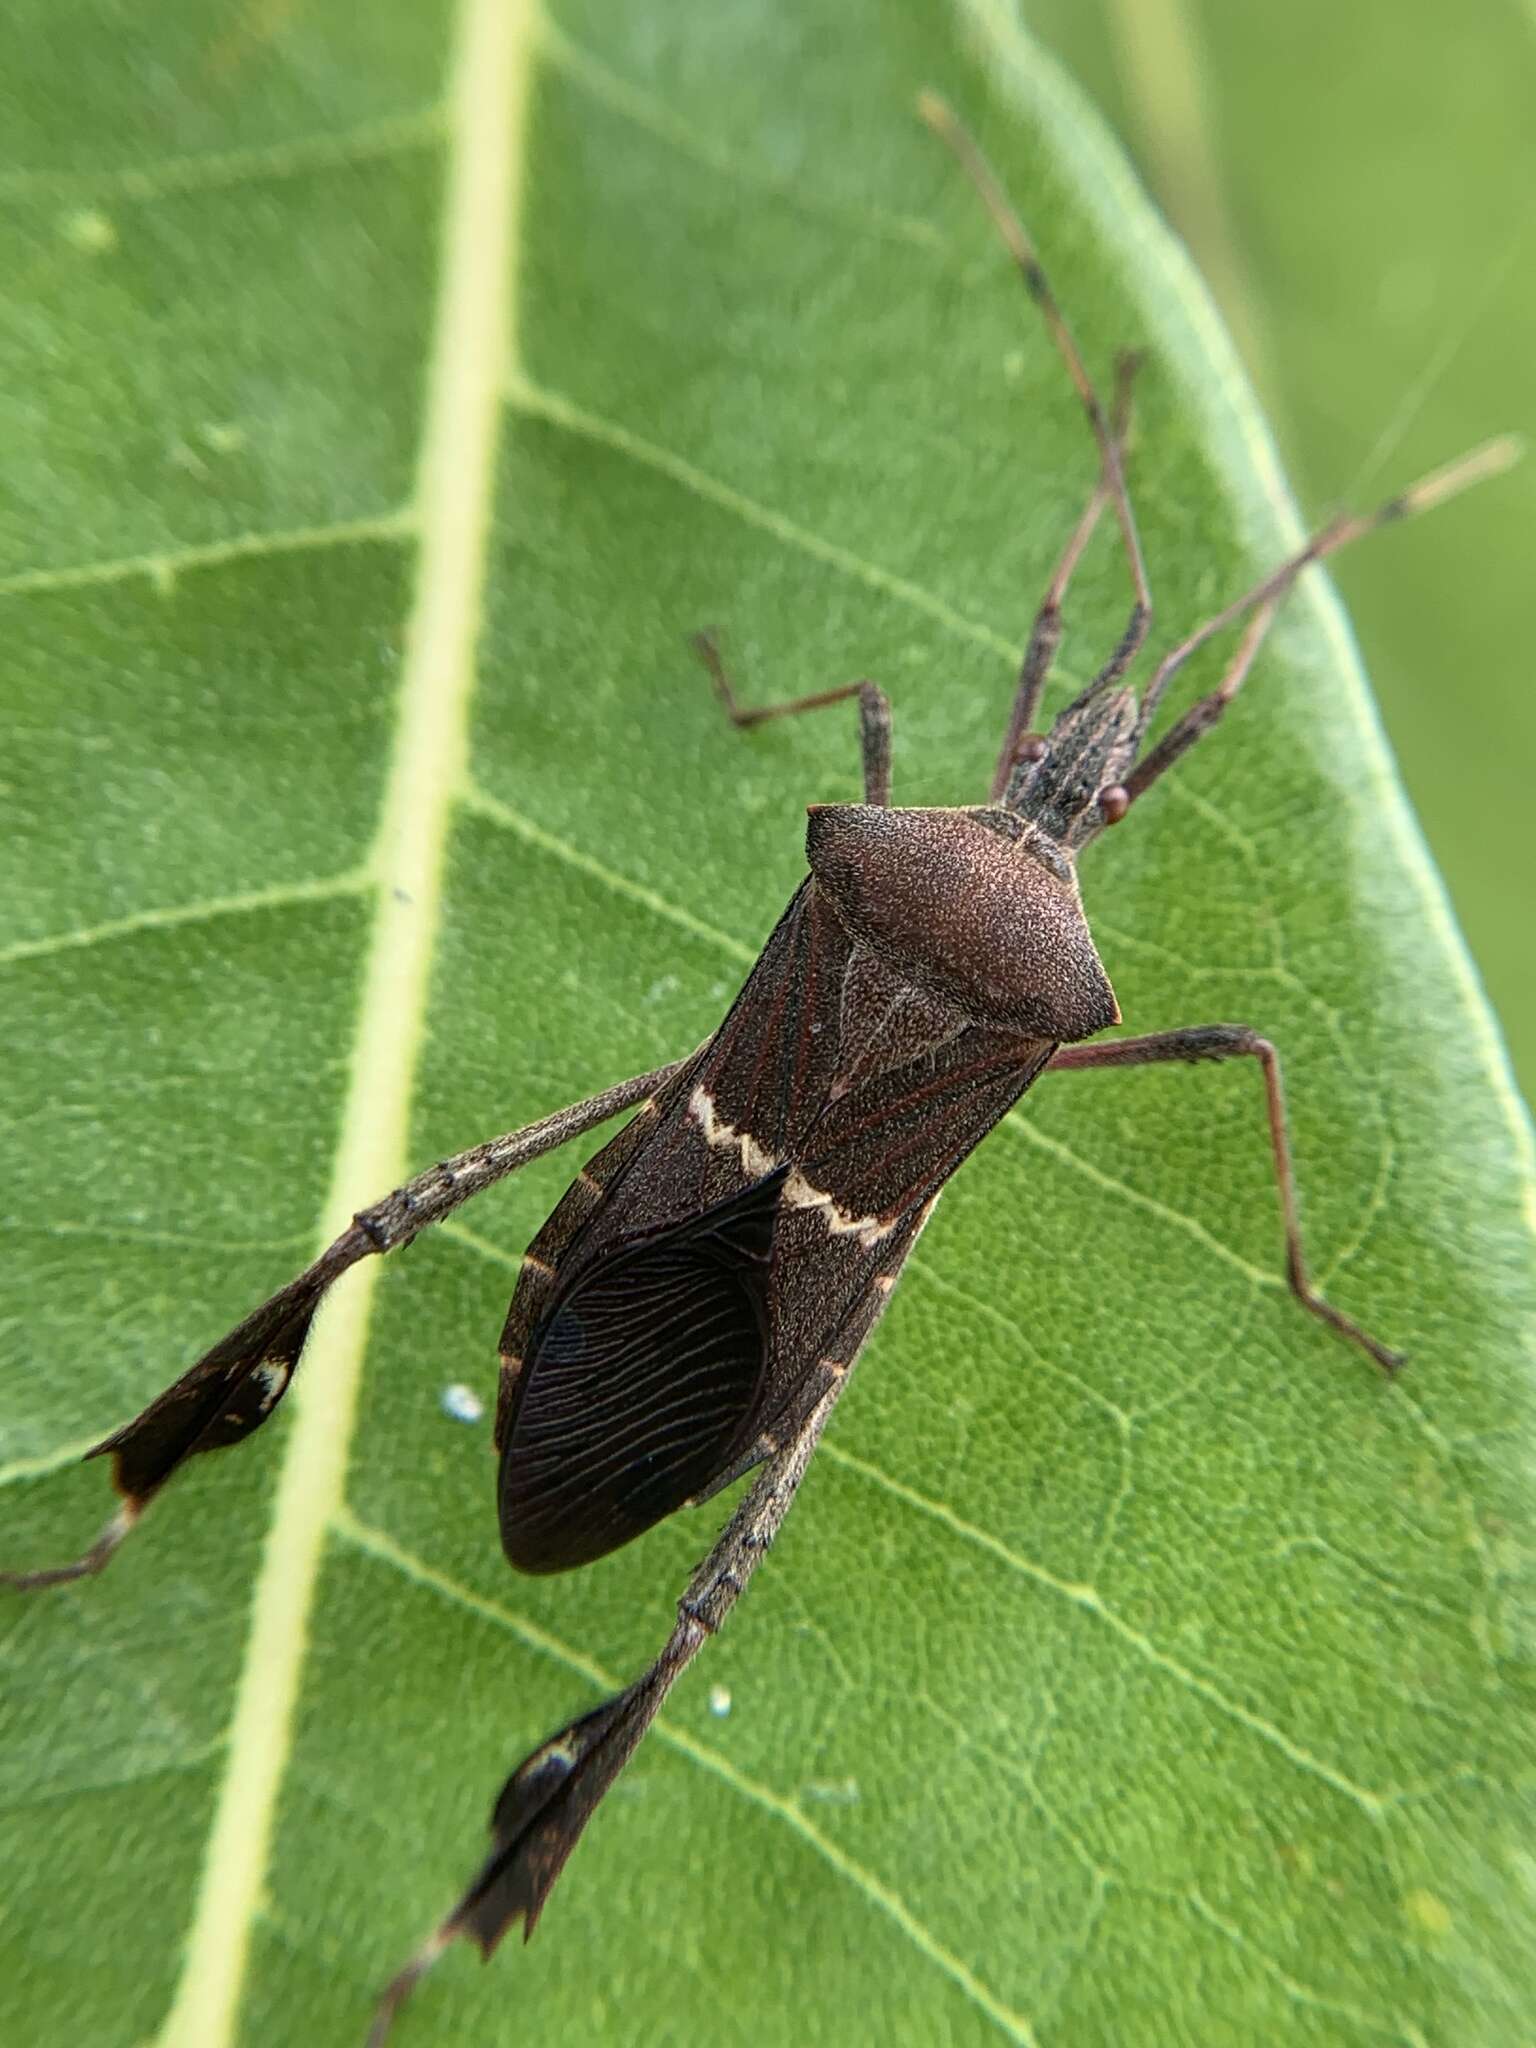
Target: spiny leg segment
pixel 234 1387
pixel 550 1797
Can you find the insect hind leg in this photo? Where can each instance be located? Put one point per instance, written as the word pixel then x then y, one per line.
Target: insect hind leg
pixel 234 1387
pixel 548 1800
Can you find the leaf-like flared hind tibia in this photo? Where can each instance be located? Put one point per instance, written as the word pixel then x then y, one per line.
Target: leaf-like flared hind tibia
pixel 230 1392
pixel 237 1384
pixel 536 1823
pixel 540 1814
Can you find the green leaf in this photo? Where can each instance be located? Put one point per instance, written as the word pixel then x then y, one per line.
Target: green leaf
pixel 1137 1666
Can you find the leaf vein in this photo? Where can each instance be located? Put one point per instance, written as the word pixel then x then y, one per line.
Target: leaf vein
pixel 481 805
pixel 655 118
pixel 1091 1601
pixel 473 336
pixel 1298 1993
pixel 15 1471
pixel 950 1290
pixel 279 896
pixel 388 135
pixel 377 1544
pixel 163 566
pixel 534 402
pixel 1021 1127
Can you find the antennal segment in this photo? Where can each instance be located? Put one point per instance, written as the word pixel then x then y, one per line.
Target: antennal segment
pixel 1263 599
pixel 946 124
pixel 1045 636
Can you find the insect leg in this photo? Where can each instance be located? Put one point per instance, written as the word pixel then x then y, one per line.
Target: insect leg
pixel 234 1387
pixel 1227 1042
pixel 1045 634
pixel 946 125
pixel 874 714
pixel 1262 599
pixel 550 1797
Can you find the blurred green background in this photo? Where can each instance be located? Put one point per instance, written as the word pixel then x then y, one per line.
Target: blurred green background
pixel 1357 183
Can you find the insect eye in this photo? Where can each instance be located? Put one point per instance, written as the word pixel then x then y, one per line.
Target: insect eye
pixel 1114 802
pixel 1032 748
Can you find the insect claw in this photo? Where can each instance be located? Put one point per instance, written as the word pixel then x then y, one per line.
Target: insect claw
pixel 1391 1362
pixel 403 1983
pixel 87 1564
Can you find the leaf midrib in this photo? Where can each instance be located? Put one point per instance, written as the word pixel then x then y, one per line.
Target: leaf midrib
pixel 473 342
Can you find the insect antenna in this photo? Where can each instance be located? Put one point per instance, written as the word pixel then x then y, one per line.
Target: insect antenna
pixel 1264 598
pixel 946 124
pixel 1045 634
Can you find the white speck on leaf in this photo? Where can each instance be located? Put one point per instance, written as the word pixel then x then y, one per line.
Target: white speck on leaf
pixel 461 1404
pixel 832 1791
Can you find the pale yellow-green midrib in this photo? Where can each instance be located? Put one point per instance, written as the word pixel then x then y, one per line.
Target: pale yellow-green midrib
pixel 471 348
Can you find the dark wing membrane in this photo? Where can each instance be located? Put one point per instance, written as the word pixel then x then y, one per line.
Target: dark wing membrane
pixel 639 1378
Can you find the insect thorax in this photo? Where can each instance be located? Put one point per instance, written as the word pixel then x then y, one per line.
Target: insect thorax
pixel 977 907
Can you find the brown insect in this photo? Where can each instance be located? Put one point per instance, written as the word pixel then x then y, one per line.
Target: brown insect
pixel 693 1307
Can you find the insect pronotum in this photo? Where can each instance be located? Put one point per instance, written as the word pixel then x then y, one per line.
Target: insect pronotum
pixel 692 1309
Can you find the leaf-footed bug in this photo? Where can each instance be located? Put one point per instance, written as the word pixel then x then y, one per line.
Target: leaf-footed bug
pixel 692 1309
